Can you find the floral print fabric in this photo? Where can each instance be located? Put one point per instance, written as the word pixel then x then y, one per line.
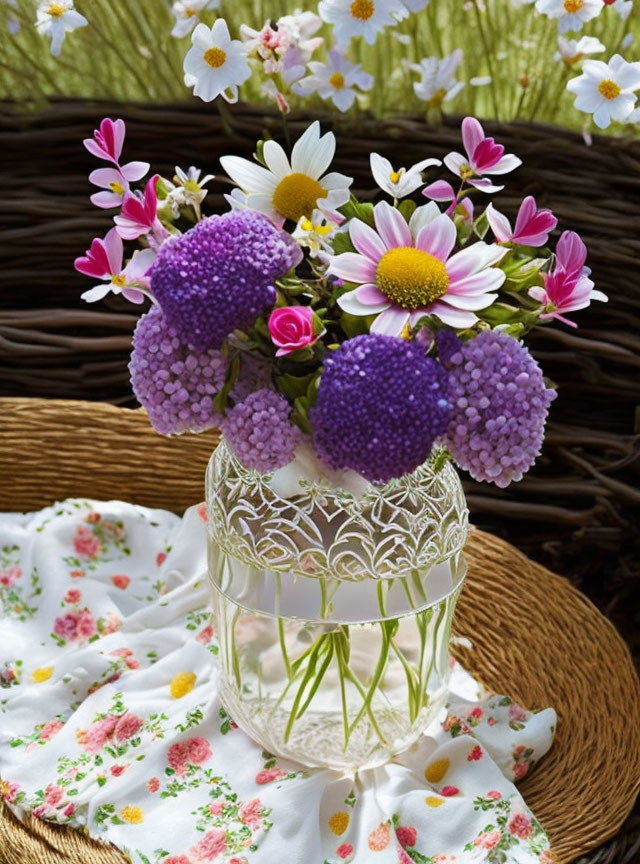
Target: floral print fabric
pixel 110 720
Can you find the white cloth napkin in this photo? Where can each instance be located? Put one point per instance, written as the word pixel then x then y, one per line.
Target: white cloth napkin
pixel 110 719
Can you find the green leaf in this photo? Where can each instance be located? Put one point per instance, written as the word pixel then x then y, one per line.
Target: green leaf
pixel 341 242
pixel 408 208
pixel 294 386
pixel 220 400
pixel 353 209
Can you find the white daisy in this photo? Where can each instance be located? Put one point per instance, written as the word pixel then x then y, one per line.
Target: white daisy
pixel 215 65
pixel 606 90
pixel 622 7
pixel 187 14
pixel 438 82
pixel 402 182
pixel 364 18
pixel 571 51
pixel 291 190
pixel 571 14
pixel 56 20
pixel 335 80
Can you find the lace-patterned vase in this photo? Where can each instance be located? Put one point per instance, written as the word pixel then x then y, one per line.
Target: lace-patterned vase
pixel 333 609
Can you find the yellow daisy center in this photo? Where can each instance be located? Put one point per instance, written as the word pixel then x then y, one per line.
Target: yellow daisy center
pixel 296 196
pixel 133 815
pixel 116 187
pixel 189 12
pixel 609 89
pixel 56 10
pixel 395 176
pixel 337 80
pixel 362 9
pixel 215 57
pixel 119 280
pixel 573 6
pixel 437 98
pixel 411 278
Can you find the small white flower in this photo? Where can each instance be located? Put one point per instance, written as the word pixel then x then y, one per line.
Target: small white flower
pixel 56 19
pixel 606 90
pixel 335 80
pixel 187 14
pixel 438 82
pixel 364 18
pixel 571 51
pixel 480 80
pixel 402 182
pixel 571 14
pixel 187 189
pixel 215 65
pixel 291 189
pixel 622 7
pixel 315 234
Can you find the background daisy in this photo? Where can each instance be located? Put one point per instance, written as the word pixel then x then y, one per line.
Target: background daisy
pixel 364 18
pixel 335 80
pixel 215 65
pixel 606 90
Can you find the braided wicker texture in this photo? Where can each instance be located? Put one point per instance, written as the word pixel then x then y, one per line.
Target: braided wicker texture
pixel 534 636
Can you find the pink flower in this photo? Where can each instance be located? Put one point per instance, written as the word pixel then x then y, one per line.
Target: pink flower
pixel 475 754
pixel 198 750
pixel 107 141
pixel 66 627
pixel 494 795
pixel 104 260
pixel 127 726
pixel 53 795
pixel 85 542
pixel 205 635
pixel 40 812
pixel 406 271
pixel 520 826
pixel 86 625
pixel 115 182
pixel 139 216
pixel 520 770
pixel 492 721
pixel 118 770
pixel 236 860
pixel 111 624
pixel 177 859
pixel 292 328
pixel 212 844
pixel 216 808
pixel 95 737
pixel 268 775
pixel 516 712
pixel 161 557
pixel 10 576
pixel 177 757
pixel 449 791
pixel 532 225
pixel 73 596
pixel 50 730
pixel 11 792
pixel 77 574
pixel 568 287
pixel 121 581
pixel 201 510
pixel 251 813
pixel 483 156
pixel 488 839
pixel 69 810
pixel 407 836
pixel 477 713
pixel 344 851
pixel 153 784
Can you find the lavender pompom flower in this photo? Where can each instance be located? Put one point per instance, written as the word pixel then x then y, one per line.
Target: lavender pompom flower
pixel 174 382
pixel 218 276
pixel 259 431
pixel 381 405
pixel 500 405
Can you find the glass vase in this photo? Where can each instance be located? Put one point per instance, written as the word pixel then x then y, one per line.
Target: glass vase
pixel 333 607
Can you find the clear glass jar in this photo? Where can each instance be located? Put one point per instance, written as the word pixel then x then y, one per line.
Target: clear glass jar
pixel 333 608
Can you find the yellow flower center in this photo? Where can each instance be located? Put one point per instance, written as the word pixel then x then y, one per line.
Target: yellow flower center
pixel 192 186
pixel 437 98
pixel 466 172
pixel 120 280
pixel 133 815
pixel 609 89
pixel 181 684
pixel 432 801
pixel 42 674
pixel 573 6
pixel 338 823
pixel 116 187
pixel 337 80
pixel 296 196
pixel 362 9
pixel 395 176
pixel 215 57
pixel 189 12
pixel 411 278
pixel 56 10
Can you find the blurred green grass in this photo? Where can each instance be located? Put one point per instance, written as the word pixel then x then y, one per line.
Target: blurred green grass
pixel 127 53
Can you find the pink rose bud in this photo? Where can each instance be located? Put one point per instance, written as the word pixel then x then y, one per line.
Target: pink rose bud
pixel 293 327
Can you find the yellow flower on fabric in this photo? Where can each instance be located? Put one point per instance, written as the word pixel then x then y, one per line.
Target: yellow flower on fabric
pixel 339 822
pixel 436 770
pixel 432 801
pixel 41 674
pixel 133 815
pixel 181 684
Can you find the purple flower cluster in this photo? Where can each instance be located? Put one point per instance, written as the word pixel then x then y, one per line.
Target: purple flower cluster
pixel 174 382
pixel 259 431
pixel 218 277
pixel 381 405
pixel 500 405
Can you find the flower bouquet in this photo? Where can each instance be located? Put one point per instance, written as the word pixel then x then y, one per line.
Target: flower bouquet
pixel 351 354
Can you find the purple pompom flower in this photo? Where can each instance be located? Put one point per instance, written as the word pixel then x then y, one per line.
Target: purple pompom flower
pixel 500 405
pixel 381 405
pixel 260 433
pixel 174 382
pixel 218 277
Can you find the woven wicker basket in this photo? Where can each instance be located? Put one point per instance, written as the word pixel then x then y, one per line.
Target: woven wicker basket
pixel 552 647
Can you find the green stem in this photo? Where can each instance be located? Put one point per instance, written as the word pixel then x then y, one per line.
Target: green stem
pixel 308 675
